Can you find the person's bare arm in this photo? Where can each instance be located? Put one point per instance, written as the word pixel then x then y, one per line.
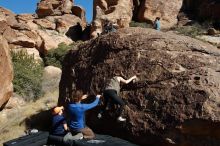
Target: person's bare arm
pixel 120 79
pixel 65 127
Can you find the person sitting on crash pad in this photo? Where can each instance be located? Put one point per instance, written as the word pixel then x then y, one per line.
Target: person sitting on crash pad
pixel 112 91
pixel 77 114
pixel 59 124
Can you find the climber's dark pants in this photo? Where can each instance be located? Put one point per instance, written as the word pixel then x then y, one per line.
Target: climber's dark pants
pixel 112 95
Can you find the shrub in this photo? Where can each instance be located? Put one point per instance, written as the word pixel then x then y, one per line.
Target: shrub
pixel 140 24
pixel 193 30
pixel 27 75
pixel 55 57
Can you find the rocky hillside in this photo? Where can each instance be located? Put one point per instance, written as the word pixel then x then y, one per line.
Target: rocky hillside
pixel 55 22
pixel 174 102
pixel 121 12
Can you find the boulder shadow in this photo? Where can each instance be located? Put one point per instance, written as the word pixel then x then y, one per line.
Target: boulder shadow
pixel 75 32
pixel 40 121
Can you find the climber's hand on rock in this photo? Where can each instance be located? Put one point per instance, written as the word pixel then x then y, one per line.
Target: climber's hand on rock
pixel 98 96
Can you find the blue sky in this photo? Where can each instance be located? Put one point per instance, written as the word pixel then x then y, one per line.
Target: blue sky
pixel 29 6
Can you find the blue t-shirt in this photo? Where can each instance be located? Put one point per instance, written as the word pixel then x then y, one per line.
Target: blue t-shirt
pixel 157 25
pixel 57 125
pixel 77 114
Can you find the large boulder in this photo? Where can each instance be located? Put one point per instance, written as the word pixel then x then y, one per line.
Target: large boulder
pixel 66 22
pixel 176 100
pixel 148 10
pixel 80 12
pixel 25 17
pixel 8 16
pixel 117 11
pixel 51 40
pixel 28 19
pixel 6 87
pixel 54 7
pixel 45 24
pixel 21 39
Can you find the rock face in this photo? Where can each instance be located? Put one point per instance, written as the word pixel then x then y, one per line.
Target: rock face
pixel 80 12
pixel 54 7
pixel 122 11
pixel 148 10
pixel 6 87
pixel 174 102
pixel 45 30
pixel 117 11
pixel 203 9
pixel 56 23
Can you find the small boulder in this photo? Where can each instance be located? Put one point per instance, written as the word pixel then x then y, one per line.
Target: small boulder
pixel 51 78
pixel 211 31
pixel 15 101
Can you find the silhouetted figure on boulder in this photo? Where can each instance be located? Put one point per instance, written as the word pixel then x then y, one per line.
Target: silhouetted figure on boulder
pixel 108 27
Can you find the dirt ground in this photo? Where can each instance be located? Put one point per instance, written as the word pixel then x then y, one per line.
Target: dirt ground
pixel 14 122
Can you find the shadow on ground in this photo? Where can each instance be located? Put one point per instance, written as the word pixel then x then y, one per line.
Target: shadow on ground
pixel 40 121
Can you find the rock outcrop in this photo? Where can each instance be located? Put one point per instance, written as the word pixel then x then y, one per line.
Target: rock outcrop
pixel 56 22
pixel 148 10
pixel 6 71
pixel 42 31
pixel 118 12
pixel 202 9
pixel 54 7
pixel 121 12
pixel 80 12
pixel 176 100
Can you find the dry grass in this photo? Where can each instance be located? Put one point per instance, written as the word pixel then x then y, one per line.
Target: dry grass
pixel 12 121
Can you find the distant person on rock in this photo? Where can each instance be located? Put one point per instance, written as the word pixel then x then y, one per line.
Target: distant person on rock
pixel 108 27
pixel 59 124
pixel 157 23
pixel 77 114
pixel 112 91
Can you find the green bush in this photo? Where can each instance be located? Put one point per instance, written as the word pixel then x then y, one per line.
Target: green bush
pixel 27 75
pixel 55 57
pixel 140 24
pixel 193 30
